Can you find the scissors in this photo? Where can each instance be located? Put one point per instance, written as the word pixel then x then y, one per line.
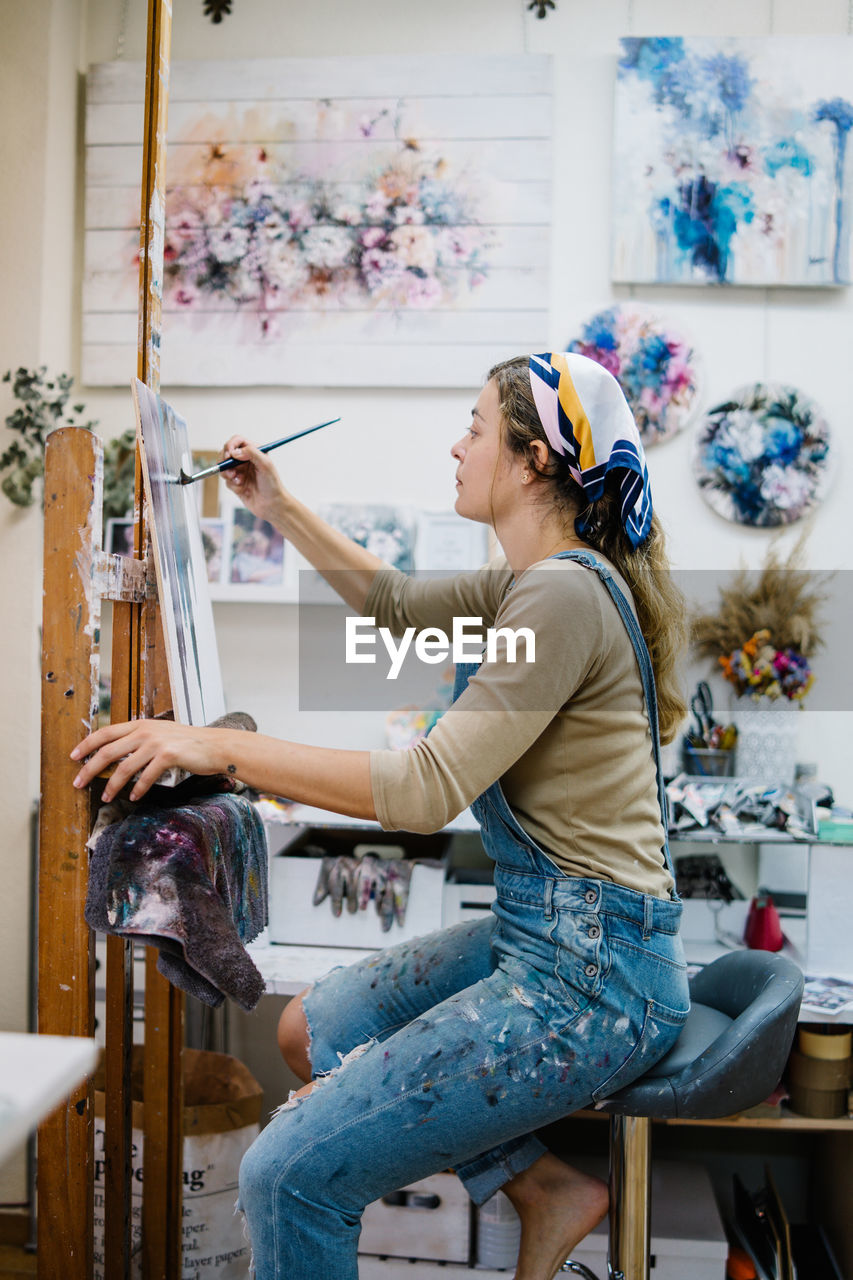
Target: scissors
pixel 702 706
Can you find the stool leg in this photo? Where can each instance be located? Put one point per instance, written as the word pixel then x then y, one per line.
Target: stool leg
pixel 630 1198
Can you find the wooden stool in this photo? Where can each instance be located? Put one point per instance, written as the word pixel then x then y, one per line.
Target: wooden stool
pixel 729 1056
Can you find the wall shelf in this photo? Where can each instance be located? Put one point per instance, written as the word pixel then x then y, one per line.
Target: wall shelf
pixel 789 1121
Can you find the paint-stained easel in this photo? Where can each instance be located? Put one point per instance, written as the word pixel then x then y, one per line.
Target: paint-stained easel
pixel 77 576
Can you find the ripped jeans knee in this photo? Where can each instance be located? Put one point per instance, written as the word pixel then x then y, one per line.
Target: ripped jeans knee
pixel 296 1096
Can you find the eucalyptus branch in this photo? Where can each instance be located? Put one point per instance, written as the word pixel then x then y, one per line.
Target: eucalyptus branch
pixel 42 407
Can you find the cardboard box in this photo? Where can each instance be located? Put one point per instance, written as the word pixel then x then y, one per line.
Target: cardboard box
pixel 429 1220
pixel 294 918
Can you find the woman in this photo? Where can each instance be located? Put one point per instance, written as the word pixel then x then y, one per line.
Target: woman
pixel 450 1050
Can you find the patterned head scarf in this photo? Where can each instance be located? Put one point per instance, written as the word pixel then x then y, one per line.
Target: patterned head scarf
pixel 587 421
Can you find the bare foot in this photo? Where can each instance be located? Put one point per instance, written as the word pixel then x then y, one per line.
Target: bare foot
pixel 558 1206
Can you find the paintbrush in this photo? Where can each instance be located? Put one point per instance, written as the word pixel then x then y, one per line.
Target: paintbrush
pixel 230 463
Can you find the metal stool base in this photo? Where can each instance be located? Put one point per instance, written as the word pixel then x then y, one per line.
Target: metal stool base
pixel 577 1269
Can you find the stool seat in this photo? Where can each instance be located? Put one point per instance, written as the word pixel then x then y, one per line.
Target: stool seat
pixel 734 1045
pixel 701 1029
pixel 730 1055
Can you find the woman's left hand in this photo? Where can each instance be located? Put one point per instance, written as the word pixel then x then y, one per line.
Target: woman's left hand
pixel 148 748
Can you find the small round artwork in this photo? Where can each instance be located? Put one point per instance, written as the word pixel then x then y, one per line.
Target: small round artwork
pixel 657 368
pixel 762 456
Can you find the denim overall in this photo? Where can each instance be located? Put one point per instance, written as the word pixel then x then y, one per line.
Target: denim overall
pixel 450 1050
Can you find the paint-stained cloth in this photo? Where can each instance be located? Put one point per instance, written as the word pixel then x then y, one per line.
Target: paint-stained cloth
pixel 191 879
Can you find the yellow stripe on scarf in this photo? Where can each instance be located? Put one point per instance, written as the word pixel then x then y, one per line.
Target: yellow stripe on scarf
pixel 575 412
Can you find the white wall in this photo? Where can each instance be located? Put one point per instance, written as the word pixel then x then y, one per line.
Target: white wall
pixel 396 442
pixel 20 262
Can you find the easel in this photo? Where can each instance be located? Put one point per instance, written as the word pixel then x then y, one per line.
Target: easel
pixel 78 575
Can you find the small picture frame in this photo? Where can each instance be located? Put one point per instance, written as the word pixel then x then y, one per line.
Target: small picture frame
pixel 213 545
pixel 256 552
pixel 118 538
pixel 388 531
pixel 249 558
pixel 450 543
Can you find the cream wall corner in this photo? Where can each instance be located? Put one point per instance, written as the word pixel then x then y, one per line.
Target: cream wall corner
pixel 38 105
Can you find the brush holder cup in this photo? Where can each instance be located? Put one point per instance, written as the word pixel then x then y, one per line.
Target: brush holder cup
pixel 708 762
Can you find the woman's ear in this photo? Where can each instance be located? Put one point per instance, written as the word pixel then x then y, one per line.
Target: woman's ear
pixel 539 449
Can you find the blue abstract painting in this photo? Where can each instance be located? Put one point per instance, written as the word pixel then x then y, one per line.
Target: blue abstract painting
pixel 731 162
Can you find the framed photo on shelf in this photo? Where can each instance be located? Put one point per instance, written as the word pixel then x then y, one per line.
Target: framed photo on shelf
pixel 446 541
pixel 213 545
pixel 247 559
pixel 388 531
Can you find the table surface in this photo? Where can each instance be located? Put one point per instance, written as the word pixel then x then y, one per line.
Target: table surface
pixel 36 1074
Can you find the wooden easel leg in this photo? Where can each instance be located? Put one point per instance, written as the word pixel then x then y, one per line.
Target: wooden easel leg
pixel 153 209
pixel 118 1030
pixel 164 1006
pixel 118 1103
pixel 164 1096
pixel 163 1088
pixel 66 990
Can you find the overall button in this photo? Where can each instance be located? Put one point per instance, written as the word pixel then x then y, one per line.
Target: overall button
pixel 590 970
pixel 590 895
pixel 593 931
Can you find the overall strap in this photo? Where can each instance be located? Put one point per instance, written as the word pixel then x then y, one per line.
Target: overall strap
pixel 644 662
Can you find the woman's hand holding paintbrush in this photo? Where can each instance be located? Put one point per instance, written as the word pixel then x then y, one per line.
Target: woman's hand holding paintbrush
pixel 255 480
pixel 246 472
pixel 227 464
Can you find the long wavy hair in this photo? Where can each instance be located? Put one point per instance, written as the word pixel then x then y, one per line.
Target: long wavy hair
pixel 661 607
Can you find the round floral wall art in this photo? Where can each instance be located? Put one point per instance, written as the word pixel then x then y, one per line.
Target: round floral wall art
pixel 762 456
pixel 657 368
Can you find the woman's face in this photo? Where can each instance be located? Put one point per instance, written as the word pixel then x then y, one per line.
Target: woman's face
pixel 483 465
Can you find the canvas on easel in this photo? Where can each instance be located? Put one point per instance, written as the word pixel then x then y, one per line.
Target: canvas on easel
pixel 192 656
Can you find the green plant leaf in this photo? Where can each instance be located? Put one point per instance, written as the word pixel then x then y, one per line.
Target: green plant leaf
pixel 41 408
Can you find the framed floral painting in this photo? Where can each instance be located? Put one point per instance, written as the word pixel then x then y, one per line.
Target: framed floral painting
pixel 335 221
pixel 730 160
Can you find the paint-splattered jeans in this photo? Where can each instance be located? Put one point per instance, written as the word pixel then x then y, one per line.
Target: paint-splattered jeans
pixel 476 1035
pixel 460 1044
